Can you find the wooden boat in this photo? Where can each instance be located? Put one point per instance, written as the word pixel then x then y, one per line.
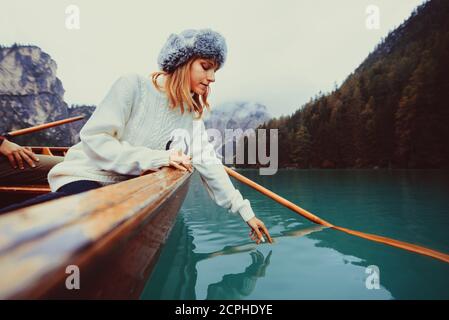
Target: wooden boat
pixel 112 235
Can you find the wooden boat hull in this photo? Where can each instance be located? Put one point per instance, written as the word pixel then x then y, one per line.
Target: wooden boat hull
pixel 112 235
pixel 131 259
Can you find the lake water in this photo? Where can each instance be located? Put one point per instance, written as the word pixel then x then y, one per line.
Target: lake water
pixel 209 255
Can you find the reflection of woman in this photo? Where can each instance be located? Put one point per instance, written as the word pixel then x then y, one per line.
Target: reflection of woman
pixel 175 276
pixel 131 131
pixel 240 285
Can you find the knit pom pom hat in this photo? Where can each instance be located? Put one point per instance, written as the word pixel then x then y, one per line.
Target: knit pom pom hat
pixel 204 43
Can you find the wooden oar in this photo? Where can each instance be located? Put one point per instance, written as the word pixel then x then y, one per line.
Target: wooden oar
pixel 42 127
pixel 395 243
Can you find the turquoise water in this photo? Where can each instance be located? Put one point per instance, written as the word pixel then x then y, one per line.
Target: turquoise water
pixel 210 256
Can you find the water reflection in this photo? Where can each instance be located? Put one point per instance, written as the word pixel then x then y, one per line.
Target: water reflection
pixel 309 262
pixel 179 281
pixel 404 274
pixel 240 285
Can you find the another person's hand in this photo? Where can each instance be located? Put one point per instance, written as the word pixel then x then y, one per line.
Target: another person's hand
pixel 181 161
pixel 17 154
pixel 257 230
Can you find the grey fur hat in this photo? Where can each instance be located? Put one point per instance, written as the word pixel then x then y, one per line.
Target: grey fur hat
pixel 204 43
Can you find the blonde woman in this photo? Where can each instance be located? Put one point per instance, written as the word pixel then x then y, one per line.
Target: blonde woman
pixel 144 124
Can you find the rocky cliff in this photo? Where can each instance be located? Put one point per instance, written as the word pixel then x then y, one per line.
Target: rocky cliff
pixel 31 94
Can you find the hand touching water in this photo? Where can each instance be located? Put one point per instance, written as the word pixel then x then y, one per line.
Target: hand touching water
pixel 257 230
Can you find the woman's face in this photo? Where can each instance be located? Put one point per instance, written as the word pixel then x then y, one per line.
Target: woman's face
pixel 202 73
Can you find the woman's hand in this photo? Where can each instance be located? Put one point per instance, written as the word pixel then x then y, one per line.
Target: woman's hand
pixel 181 161
pixel 257 230
pixel 17 154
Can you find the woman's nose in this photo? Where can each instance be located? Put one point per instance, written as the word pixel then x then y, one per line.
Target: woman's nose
pixel 211 76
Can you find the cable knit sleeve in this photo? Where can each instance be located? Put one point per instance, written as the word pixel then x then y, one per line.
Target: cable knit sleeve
pixel 213 175
pixel 101 135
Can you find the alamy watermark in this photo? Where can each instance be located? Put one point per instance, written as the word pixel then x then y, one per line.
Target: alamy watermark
pixel 72 18
pixel 231 148
pixel 373 280
pixel 372 21
pixel 72 282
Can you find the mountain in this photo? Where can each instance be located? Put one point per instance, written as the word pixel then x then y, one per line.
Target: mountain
pixel 235 115
pixel 391 112
pixel 31 94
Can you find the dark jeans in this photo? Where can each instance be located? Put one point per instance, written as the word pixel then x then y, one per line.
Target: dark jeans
pixel 66 190
pixel 37 175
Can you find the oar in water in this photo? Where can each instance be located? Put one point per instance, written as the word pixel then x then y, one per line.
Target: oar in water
pixel 395 243
pixel 41 127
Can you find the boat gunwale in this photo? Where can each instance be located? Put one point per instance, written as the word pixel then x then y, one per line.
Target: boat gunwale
pixel 167 181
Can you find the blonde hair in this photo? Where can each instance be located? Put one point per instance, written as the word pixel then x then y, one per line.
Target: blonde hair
pixel 177 88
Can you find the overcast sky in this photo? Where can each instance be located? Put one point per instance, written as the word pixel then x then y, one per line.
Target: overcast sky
pixel 280 53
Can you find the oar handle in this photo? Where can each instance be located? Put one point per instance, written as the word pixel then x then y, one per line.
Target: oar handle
pixel 41 127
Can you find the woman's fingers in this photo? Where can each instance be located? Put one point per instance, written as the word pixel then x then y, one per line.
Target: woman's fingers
pixel 181 159
pixel 188 166
pixel 252 235
pixel 185 162
pixel 18 159
pixel 27 158
pixel 181 165
pixel 177 166
pixel 12 161
pixel 256 234
pixel 265 230
pixel 30 153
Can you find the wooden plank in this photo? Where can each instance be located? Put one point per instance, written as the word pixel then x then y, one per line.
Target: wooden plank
pixel 43 126
pixel 132 258
pixel 37 243
pixel 33 189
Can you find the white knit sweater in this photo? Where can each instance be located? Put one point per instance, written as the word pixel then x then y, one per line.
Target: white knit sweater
pixel 128 133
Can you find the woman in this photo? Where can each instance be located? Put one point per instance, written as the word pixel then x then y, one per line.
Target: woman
pixel 144 124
